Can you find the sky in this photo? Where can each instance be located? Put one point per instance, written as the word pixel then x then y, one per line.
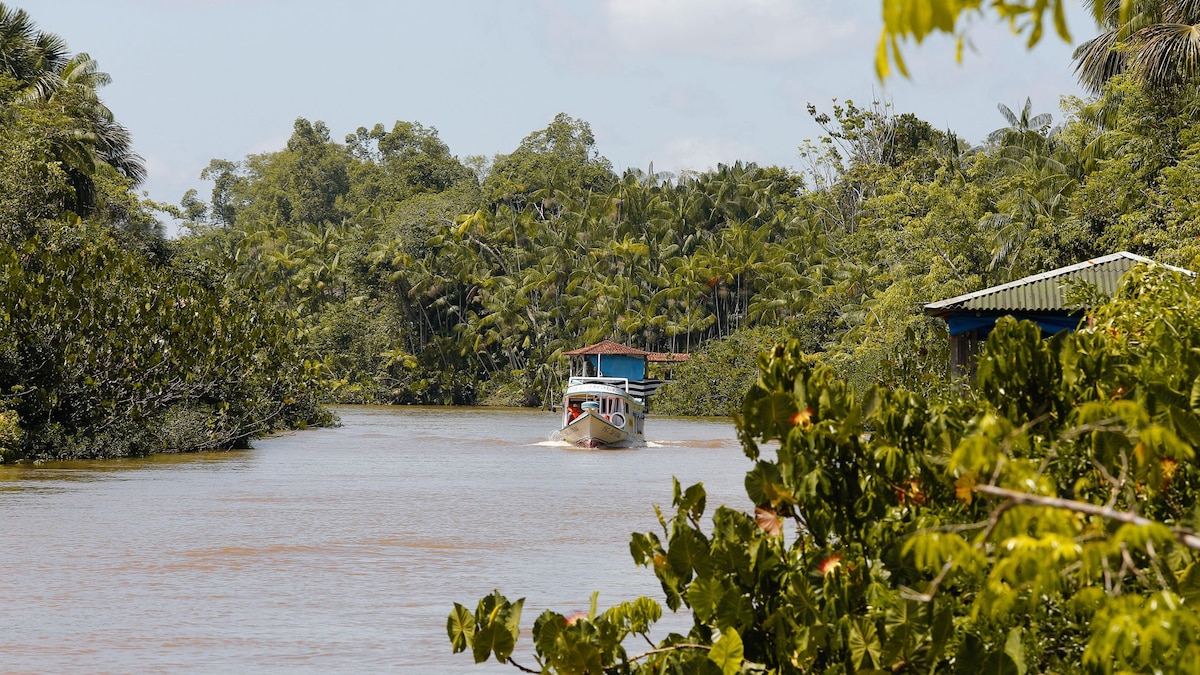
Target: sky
pixel 682 84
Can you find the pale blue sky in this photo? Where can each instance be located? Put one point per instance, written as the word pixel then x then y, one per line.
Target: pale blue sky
pixel 681 83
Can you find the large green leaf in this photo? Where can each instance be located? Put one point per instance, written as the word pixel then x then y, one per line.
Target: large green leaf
pixel 493 638
pixel 461 628
pixel 864 643
pixel 1014 648
pixel 764 484
pixel 771 416
pixel 688 551
pixel 1189 584
pixel 728 652
pixel 704 596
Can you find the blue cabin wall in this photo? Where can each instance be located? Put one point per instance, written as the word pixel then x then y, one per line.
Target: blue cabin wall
pixel 629 367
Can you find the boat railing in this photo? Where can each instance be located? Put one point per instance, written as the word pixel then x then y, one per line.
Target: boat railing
pixel 619 382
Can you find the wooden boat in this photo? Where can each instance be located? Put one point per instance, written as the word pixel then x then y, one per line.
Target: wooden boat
pixel 605 402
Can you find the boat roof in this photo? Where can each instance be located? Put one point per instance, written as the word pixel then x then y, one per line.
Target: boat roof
pixel 607 347
pixel 610 348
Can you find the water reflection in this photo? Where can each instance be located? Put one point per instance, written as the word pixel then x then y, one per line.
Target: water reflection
pixel 333 549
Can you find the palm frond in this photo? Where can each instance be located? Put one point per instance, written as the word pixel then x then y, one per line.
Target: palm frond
pixel 1168 54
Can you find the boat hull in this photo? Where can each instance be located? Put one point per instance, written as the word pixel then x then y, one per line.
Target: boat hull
pixel 593 431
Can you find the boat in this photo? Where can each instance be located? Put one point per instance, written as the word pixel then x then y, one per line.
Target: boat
pixel 607 394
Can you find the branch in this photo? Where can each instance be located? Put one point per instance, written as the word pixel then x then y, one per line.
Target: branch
pixel 1186 537
pixel 909 594
pixel 672 648
pixel 520 667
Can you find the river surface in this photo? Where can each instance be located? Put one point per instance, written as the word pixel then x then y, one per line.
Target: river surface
pixel 335 550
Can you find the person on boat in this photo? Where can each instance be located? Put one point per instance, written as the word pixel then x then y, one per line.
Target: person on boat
pixel 573 412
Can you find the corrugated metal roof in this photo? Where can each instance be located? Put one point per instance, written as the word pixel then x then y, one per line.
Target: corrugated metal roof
pixel 1045 292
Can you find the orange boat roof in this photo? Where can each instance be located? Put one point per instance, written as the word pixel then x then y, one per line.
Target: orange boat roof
pixel 610 348
pixel 607 347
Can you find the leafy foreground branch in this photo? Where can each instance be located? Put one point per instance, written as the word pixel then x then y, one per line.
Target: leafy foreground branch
pixel 892 562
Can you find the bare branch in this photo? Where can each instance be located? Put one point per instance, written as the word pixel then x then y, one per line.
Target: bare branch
pixel 520 667
pixel 909 594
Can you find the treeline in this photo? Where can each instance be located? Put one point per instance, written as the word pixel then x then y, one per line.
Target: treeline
pixel 111 344
pixel 384 268
pixel 424 278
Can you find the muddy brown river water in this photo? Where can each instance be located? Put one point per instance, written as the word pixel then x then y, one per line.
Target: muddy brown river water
pixel 334 550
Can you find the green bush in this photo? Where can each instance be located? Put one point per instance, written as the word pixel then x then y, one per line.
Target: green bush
pixel 712 382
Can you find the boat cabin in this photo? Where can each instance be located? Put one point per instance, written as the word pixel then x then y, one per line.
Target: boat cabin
pixel 608 359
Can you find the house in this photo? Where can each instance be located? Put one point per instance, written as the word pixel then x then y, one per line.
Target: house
pixel 1041 298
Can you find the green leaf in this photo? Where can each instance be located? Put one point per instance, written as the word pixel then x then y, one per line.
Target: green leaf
pixel 1015 649
pixel 1189 584
pixel 764 484
pixel 998 664
pixel 493 638
pixel 728 652
pixel 771 416
pixel 497 626
pixel 644 547
pixel 688 551
pixel 461 628
pixel 864 643
pixel 704 596
pixel 970 655
pixel 693 501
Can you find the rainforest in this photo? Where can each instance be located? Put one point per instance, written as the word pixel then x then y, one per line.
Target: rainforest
pixel 383 268
pixel 1037 517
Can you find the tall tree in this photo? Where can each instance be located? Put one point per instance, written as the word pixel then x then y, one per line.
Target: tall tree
pixel 59 93
pixel 1156 41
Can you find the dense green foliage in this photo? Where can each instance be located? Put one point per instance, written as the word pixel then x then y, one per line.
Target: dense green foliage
pixel 110 344
pixel 1044 524
pixel 103 354
pixel 421 278
pixel 713 381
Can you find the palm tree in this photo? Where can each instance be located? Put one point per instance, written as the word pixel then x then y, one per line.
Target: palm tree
pixel 1155 41
pixel 28 55
pixel 49 79
pixel 1021 128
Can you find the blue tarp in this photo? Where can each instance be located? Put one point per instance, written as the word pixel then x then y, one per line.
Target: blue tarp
pixel 1048 323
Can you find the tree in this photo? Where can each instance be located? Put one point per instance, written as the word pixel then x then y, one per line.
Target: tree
pixel 1044 524
pixel 1156 41
pixel 104 353
pixel 42 87
pixel 562 156
pixel 412 160
pixel 1021 127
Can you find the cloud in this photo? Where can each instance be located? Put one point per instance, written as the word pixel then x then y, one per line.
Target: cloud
pixel 571 36
pixel 743 30
pixel 699 154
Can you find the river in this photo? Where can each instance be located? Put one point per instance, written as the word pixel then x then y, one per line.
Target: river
pixel 334 549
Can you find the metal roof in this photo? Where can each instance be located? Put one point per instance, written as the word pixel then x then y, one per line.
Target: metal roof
pixel 1045 292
